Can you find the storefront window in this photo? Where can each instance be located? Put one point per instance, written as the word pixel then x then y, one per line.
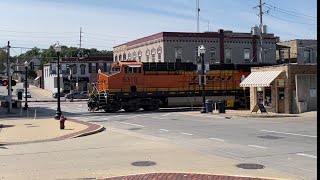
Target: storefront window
pixel 267 98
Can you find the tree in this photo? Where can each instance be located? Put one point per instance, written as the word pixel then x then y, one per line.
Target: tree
pixel 3 58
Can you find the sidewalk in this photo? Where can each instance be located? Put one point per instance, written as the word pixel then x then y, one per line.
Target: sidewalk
pixel 27 130
pixel 248 114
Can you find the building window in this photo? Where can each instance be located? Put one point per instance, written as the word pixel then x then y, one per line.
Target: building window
pixel 178 53
pixel 228 56
pixel 307 56
pixel 101 67
pixel 83 69
pixel 282 55
pixel 74 69
pixel 94 68
pixel 120 58
pixel 147 54
pixel 159 51
pixel 139 55
pixel 129 56
pixel 134 55
pixel 196 52
pixel 213 54
pixel 246 54
pixel 124 56
pixel 116 58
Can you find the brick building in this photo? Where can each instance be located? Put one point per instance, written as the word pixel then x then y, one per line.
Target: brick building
pixel 286 88
pixel 222 47
pixel 299 51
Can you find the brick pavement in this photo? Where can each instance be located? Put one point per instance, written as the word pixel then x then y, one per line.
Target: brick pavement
pixel 180 176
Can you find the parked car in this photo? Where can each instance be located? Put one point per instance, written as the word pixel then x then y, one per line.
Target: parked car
pixel 85 93
pixel 62 93
pixel 76 95
pixel 28 95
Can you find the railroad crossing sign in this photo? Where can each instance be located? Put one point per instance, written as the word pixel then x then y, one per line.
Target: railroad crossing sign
pixel 11 70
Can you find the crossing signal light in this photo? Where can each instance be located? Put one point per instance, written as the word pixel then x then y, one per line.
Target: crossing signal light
pixel 4 83
pixel 13 82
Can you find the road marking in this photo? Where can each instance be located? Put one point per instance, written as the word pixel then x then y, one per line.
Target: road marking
pixel 217 139
pixel 164 130
pixel 130 124
pixel 186 133
pixel 261 147
pixel 290 133
pixel 307 155
pixel 167 114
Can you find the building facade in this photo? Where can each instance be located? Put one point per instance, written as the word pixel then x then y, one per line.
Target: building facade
pixel 222 47
pixel 76 74
pixel 299 51
pixel 287 88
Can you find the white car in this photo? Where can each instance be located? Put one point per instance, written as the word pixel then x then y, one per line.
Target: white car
pixel 28 95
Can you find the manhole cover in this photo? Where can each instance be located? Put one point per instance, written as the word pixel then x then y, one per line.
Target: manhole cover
pixel 134 129
pixel 270 137
pixel 143 163
pixel 250 166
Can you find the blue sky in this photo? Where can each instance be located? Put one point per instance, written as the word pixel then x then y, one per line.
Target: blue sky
pixel 107 23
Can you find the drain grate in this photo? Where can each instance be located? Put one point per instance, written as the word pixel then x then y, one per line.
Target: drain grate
pixel 134 129
pixel 270 137
pixel 143 163
pixel 250 166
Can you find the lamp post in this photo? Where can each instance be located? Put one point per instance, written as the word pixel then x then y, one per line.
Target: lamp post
pixel 201 51
pixel 57 48
pixel 26 86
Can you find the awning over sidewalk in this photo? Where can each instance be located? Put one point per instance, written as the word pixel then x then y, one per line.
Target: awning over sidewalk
pixel 260 79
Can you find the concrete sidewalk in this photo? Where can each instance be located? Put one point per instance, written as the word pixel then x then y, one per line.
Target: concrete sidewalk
pixel 248 114
pixel 27 130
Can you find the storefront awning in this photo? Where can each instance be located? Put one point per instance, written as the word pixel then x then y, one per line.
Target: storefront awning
pixel 134 65
pixel 260 79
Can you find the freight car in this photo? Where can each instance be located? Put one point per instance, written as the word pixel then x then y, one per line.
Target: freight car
pixel 133 85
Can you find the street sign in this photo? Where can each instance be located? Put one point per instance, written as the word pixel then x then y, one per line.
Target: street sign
pixel 11 70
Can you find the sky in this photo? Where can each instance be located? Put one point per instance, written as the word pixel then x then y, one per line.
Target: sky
pixel 107 23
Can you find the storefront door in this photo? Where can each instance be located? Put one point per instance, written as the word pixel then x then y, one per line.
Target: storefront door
pixel 281 97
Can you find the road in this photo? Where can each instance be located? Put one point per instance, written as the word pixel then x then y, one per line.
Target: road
pixel 288 145
pixel 285 144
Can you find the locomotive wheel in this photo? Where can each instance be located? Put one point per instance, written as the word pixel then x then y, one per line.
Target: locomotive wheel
pixel 150 108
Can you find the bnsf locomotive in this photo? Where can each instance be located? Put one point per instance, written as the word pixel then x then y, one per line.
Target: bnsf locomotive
pixel 133 85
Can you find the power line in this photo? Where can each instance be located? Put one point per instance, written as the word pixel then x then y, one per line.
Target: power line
pixel 291 14
pixel 37 32
pixel 290 11
pixel 290 20
pixel 106 35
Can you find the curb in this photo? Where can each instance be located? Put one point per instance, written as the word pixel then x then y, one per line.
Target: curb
pixel 91 129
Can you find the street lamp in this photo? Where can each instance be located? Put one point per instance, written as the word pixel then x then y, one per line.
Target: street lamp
pixel 57 48
pixel 201 51
pixel 26 86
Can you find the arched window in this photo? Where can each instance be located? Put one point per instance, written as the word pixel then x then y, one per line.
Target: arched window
pixel 139 55
pixel 147 54
pixel 129 56
pixel 124 57
pixel 116 58
pixel 120 57
pixel 134 55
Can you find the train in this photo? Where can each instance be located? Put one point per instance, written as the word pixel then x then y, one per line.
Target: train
pixel 132 85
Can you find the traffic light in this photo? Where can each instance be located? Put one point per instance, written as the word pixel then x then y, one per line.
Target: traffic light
pixel 4 83
pixel 13 82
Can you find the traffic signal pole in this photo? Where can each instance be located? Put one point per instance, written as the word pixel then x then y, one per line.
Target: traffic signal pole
pixel 9 99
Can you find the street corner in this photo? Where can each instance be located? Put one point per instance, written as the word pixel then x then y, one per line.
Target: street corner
pixel 24 131
pixel 181 176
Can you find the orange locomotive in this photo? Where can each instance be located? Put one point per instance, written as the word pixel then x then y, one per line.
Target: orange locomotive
pixel 133 85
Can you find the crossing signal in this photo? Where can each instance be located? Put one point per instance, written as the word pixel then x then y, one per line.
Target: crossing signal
pixel 4 83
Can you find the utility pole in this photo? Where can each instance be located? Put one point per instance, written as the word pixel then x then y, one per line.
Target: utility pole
pixel 80 56
pixel 198 12
pixel 9 79
pixel 261 27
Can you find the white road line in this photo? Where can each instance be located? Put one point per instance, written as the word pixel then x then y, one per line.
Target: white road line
pixel 164 130
pixel 130 124
pixel 261 147
pixel 166 114
pixel 307 155
pixel 186 133
pixel 294 134
pixel 217 139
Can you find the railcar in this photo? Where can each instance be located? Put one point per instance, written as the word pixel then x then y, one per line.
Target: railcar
pixel 134 85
